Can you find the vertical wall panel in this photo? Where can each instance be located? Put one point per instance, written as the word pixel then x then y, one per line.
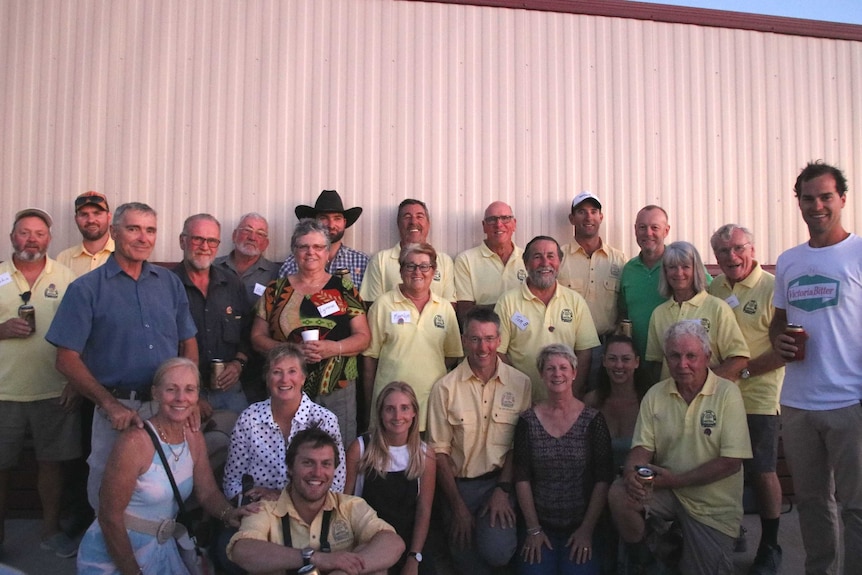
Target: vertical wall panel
pixel 241 105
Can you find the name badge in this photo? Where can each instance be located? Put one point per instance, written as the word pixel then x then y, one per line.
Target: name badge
pixel 5 278
pixel 328 308
pixel 400 317
pixel 520 320
pixel 259 289
pixel 732 301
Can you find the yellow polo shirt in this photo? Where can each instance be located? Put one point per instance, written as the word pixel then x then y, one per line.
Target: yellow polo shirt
pixel 527 325
pixel 410 346
pixel 597 279
pixel 383 274
pixel 725 337
pixel 751 302
pixel 474 422
pixel 80 261
pixel 482 277
pixel 27 364
pixel 684 436
pixel 353 523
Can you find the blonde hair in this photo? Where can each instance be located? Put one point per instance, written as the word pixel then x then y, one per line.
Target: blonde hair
pixel 376 456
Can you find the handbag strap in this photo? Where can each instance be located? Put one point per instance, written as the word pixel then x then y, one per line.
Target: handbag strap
pixel 161 452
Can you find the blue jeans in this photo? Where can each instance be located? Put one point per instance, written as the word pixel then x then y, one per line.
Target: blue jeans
pixel 556 561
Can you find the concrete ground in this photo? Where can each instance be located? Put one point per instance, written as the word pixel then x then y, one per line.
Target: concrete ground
pixel 21 549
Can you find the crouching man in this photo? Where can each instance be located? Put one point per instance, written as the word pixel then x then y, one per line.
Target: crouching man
pixel 692 433
pixel 336 533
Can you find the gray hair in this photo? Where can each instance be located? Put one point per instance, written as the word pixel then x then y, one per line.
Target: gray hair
pixel 305 227
pixel 120 212
pixel 198 218
pixel 251 215
pixel 556 349
pixel 723 234
pixel 681 253
pixel 285 351
pixel 417 248
pixel 176 362
pixel 691 327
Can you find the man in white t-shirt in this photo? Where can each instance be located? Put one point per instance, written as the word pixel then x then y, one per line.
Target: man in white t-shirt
pixel 817 286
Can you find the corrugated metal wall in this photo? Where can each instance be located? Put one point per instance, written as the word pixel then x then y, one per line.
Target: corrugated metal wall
pixel 233 106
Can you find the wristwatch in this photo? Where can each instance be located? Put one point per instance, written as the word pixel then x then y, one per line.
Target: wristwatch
pixel 307 554
pixel 417 555
pixel 745 373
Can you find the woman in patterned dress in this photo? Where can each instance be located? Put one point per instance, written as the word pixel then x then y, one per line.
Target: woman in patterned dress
pixel 563 469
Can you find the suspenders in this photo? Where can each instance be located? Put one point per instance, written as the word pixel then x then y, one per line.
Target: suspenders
pixel 324 531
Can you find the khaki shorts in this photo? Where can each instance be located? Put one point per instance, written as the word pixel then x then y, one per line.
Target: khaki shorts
pixel 56 433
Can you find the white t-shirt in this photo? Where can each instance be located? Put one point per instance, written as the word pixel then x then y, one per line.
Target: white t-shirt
pixel 821 290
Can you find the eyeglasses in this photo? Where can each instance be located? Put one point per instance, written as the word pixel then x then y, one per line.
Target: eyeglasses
pixel 738 250
pixel 410 268
pixel 199 241
pixel 311 247
pixel 492 220
pixel 253 232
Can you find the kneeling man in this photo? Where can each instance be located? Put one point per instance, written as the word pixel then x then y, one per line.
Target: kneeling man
pixel 332 531
pixel 692 432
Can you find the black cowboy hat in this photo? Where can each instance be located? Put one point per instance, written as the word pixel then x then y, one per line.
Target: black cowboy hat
pixel 328 202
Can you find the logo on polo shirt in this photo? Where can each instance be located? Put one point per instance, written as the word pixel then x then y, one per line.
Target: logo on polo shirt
pixel 616 270
pixel 813 292
pixel 705 323
pixel 340 531
pixel 438 276
pixel 522 275
pixel 508 400
pixel 750 307
pixel 708 420
pixel 438 321
pixel 567 315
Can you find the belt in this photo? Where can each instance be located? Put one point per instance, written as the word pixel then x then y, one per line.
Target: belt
pixel 131 394
pixel 162 530
pixel 489 475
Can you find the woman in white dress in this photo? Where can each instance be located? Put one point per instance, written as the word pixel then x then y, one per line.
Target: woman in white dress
pixel 132 534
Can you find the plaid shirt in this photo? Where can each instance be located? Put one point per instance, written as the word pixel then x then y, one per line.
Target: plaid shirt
pixel 346 258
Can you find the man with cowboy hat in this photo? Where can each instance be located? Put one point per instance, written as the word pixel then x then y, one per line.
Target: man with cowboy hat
pixel 329 210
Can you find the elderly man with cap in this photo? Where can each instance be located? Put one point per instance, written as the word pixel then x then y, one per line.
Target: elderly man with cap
pixel 329 210
pixel 32 393
pixel 92 216
pixel 496 265
pixel 593 269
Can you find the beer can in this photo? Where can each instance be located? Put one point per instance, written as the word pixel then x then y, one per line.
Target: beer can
pixel 797 332
pixel 645 474
pixel 28 312
pixel 216 369
pixel 626 327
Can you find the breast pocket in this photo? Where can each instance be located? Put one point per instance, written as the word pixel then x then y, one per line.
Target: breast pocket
pixel 462 422
pixel 231 328
pixel 612 285
pixel 502 429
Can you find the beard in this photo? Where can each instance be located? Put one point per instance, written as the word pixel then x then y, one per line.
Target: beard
pixel 334 239
pixel 200 263
pixel 26 256
pixel 92 236
pixel 539 280
pixel 248 250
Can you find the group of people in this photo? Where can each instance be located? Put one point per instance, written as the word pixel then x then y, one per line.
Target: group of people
pixel 597 396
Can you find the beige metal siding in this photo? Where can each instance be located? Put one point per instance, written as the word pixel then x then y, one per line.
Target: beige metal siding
pixel 232 106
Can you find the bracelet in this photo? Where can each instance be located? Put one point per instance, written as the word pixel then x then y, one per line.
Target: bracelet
pixel 339 348
pixel 224 513
pixel 535 531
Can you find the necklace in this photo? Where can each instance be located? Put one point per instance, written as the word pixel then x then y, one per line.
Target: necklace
pixel 164 436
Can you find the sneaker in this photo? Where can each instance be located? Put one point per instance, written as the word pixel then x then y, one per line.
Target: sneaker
pixel 60 544
pixel 740 544
pixel 767 561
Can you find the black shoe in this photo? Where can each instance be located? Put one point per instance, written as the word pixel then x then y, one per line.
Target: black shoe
pixel 767 561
